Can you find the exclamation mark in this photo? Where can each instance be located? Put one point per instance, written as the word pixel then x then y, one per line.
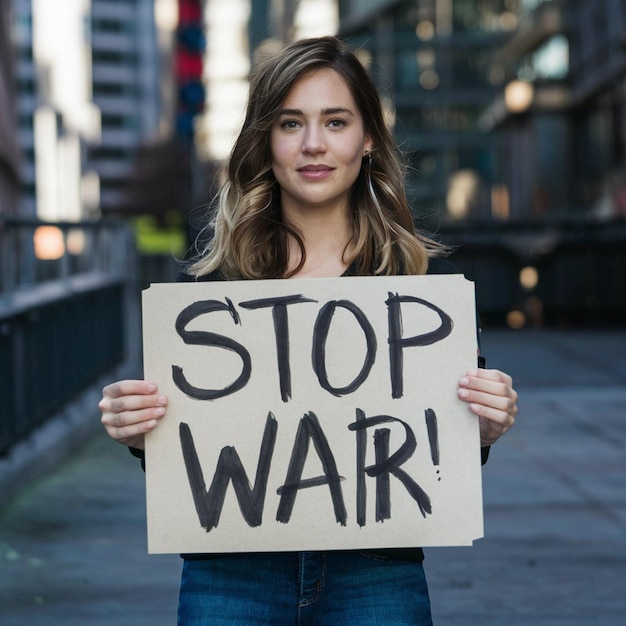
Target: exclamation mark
pixel 433 437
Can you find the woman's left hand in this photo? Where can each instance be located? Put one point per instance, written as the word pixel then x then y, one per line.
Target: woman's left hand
pixel 490 395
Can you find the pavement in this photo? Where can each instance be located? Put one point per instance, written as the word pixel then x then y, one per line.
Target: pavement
pixel 73 544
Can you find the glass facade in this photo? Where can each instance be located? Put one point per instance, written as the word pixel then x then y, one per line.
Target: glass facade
pixel 449 68
pixel 432 59
pixel 574 133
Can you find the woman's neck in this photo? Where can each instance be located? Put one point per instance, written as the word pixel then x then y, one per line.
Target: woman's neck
pixel 325 239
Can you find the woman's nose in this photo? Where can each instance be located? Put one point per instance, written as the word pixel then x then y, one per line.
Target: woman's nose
pixel 313 141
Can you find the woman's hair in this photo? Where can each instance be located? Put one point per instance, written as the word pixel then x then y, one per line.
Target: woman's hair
pixel 249 237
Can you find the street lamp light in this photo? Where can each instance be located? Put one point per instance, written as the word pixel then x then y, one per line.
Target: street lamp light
pixel 518 96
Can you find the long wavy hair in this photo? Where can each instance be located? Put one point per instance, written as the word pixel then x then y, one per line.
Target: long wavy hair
pixel 249 238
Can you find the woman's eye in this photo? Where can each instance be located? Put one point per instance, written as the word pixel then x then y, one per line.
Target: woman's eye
pixel 289 124
pixel 336 123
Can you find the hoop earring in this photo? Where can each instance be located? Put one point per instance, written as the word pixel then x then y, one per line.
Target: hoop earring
pixel 370 186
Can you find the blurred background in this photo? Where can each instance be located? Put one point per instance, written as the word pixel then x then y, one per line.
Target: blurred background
pixel 116 116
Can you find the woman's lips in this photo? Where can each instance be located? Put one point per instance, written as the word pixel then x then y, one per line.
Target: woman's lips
pixel 315 172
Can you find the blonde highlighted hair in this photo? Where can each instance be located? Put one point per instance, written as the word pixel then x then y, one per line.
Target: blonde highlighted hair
pixel 249 238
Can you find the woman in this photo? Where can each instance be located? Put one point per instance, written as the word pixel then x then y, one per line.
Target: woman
pixel 315 189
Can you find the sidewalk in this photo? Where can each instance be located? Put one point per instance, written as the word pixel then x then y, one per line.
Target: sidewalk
pixel 73 547
pixel 554 551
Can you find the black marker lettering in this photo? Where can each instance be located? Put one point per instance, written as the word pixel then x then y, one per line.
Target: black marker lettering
pixel 209 503
pixel 320 335
pixel 203 338
pixel 388 465
pixel 281 332
pixel 310 429
pixel 361 486
pixel 433 437
pixel 397 342
pixel 383 492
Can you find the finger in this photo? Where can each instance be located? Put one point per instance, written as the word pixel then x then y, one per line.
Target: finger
pixel 123 419
pixel 126 404
pixel 500 402
pixel 493 415
pixel 488 391
pixel 129 388
pixel 489 387
pixel 493 383
pixel 493 375
pixel 131 432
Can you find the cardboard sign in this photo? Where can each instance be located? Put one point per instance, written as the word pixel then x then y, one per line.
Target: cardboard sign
pixel 311 414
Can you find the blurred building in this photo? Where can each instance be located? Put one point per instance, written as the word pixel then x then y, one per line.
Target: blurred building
pixel 88 94
pixel 57 119
pixel 563 110
pixel 562 115
pixel 117 98
pixel 432 62
pixel 513 116
pixel 126 89
pixel 9 178
pixel 508 109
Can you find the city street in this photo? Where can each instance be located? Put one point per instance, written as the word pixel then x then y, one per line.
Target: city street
pixel 139 138
pixel 73 545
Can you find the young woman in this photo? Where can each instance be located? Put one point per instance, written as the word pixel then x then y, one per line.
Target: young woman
pixel 315 189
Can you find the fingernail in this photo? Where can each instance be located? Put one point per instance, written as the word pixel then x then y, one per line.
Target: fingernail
pixel 464 381
pixel 463 393
pixel 159 412
pixel 151 387
pixel 162 400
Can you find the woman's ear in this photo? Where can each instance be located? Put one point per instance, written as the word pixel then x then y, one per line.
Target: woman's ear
pixel 367 146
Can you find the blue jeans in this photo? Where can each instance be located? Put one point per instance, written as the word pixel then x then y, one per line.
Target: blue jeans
pixel 314 588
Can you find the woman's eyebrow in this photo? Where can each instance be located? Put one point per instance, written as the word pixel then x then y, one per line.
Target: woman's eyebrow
pixel 329 111
pixel 337 111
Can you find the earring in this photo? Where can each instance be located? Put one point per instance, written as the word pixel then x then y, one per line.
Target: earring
pixel 370 185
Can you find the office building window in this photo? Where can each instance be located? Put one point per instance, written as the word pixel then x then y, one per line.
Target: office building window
pixel 114 57
pixel 114 121
pixel 103 153
pixel 114 89
pixel 104 25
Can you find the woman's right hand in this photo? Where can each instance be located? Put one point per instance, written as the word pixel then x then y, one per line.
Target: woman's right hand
pixel 130 409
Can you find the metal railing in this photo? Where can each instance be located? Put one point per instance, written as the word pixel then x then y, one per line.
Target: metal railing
pixel 69 313
pixel 68 319
pixel 579 269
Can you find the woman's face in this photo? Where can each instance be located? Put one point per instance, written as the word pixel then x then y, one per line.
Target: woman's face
pixel 317 144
